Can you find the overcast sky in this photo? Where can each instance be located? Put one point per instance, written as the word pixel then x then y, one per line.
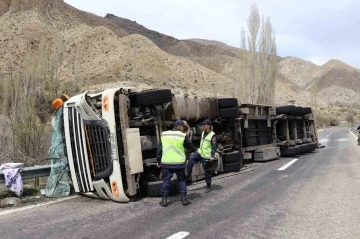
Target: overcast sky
pixel 314 30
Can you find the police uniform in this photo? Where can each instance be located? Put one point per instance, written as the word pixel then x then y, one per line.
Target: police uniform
pixel 207 150
pixel 171 154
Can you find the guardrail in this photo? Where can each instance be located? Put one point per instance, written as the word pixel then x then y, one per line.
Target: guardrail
pixel 31 172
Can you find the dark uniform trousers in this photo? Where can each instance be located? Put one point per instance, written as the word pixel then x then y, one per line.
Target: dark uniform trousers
pixel 207 166
pixel 167 173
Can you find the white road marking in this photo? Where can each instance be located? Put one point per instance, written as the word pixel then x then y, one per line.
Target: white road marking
pixel 179 235
pixel 327 135
pixel 342 140
pixel 324 140
pixel 37 205
pixel 288 164
pixel 353 134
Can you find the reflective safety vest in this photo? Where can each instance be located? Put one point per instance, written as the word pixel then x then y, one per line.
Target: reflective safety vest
pixel 173 147
pixel 205 145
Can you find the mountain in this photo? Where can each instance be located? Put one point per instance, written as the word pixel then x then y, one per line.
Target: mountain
pixel 334 82
pixel 208 55
pixel 72 45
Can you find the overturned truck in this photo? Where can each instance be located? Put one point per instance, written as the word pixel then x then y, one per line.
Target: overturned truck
pixel 112 136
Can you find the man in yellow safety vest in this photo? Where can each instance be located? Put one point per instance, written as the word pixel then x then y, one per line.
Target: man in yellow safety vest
pixel 205 154
pixel 171 157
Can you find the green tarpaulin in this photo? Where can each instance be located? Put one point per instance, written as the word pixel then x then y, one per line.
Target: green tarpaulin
pixel 58 184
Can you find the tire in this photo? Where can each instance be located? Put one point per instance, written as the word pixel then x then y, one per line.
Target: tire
pixel 232 167
pixel 227 103
pixel 311 147
pixel 290 151
pixel 298 110
pixel 303 148
pixel 297 148
pixel 229 113
pixel 213 108
pixel 232 157
pixel 153 189
pixel 306 110
pixel 285 109
pixel 151 97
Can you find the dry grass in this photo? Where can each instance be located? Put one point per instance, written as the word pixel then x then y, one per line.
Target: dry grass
pixel 339 115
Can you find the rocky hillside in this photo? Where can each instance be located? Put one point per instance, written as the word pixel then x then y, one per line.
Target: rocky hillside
pixel 208 55
pixel 92 50
pixel 334 82
pixel 219 44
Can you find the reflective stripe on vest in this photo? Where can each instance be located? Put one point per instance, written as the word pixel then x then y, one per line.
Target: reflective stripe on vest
pixel 173 147
pixel 205 145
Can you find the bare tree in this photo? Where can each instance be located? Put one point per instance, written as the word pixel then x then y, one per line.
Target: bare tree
pixel 258 59
pixel 26 94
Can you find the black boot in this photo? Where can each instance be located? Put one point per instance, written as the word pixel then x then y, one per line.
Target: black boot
pixel 164 202
pixel 208 188
pixel 185 200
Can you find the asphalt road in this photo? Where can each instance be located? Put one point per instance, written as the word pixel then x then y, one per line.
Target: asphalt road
pixel 317 196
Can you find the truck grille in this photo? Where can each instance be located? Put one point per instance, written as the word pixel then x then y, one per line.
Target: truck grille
pixel 93 137
pixel 78 149
pixel 99 149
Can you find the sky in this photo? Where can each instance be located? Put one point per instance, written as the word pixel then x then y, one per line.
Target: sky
pixel 314 30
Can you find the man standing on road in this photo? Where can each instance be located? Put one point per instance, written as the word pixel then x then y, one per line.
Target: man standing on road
pixel 358 130
pixel 205 154
pixel 171 157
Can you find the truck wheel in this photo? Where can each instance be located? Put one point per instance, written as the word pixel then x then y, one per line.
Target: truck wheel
pixel 213 108
pixel 232 157
pixel 153 189
pixel 151 97
pixel 285 109
pixel 290 151
pixel 227 103
pixel 306 110
pixel 298 110
pixel 303 148
pixel 229 113
pixel 232 167
pixel 311 147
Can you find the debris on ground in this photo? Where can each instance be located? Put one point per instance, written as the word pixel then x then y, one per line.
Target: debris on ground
pixel 10 201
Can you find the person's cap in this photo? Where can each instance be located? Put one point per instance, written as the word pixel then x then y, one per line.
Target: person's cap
pixel 179 122
pixel 185 123
pixel 208 122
